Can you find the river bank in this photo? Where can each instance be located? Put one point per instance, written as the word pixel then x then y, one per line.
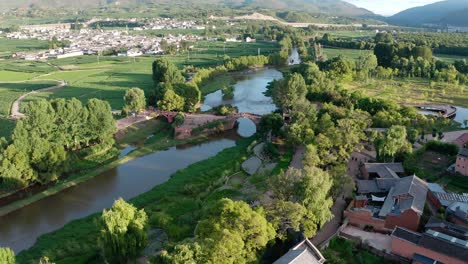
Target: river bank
pixel 167 204
pixel 163 140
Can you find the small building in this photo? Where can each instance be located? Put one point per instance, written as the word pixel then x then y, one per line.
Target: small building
pixel 382 170
pixel 250 40
pixel 70 54
pixel 448 228
pixel 461 165
pixel 462 141
pixel 439 198
pixel 384 203
pixel 458 213
pixel 304 252
pixel 429 247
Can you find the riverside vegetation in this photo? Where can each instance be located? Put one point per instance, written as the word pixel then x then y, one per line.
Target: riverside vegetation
pixel 202 221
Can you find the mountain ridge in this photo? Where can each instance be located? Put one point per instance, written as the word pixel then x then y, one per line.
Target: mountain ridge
pixel 448 12
pixel 336 7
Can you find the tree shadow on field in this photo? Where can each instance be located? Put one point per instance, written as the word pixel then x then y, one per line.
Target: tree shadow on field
pixel 26 87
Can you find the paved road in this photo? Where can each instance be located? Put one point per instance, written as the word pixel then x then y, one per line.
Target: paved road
pixel 15 107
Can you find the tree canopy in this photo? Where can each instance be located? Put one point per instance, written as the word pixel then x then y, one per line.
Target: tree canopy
pixel 135 101
pixel 7 256
pixel 123 232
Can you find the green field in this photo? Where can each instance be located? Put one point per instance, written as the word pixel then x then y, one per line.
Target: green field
pixel 352 54
pixel 11 91
pixel 449 58
pixel 413 90
pixel 10 46
pixel 349 33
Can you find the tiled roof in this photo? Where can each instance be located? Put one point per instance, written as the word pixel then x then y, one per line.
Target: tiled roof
pixel 446 199
pixel 463 152
pixel 385 170
pixel 303 253
pixel 447 227
pixel 403 193
pixel 461 140
pixel 435 241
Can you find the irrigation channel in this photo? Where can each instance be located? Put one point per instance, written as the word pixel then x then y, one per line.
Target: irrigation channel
pixel 20 229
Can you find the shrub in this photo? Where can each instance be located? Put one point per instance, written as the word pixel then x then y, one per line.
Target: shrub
pixel 442 148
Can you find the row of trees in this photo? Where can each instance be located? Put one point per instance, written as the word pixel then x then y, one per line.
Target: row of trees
pixel 404 58
pixel 45 144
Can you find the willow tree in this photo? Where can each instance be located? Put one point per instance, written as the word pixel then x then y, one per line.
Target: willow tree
pixel 135 101
pixel 123 232
pixel 7 256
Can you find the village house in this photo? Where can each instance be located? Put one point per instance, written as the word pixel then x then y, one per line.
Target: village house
pixel 448 228
pixel 455 205
pixel 371 171
pixel 384 203
pixel 304 252
pixel 429 247
pixel 462 141
pixel 461 165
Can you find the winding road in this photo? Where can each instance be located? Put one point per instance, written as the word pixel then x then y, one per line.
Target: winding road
pixel 15 107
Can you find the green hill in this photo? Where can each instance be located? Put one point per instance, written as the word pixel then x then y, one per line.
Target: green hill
pixel 450 12
pixel 333 7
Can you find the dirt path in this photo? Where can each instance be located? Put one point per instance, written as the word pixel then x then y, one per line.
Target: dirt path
pixel 15 107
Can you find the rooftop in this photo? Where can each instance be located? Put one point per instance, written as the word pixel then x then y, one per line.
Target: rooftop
pixel 462 140
pixel 303 253
pixel 446 199
pixel 463 152
pixel 402 193
pixel 385 170
pixel 448 227
pixel 435 241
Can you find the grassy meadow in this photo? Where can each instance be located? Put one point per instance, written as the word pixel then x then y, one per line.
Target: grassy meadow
pixel 413 90
pixel 10 46
pixel 352 54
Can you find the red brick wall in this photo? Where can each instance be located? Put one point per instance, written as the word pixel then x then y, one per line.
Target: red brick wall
pixel 365 174
pixel 359 204
pixel 407 249
pixel 462 165
pixel 409 219
pixel 361 218
pixel 457 221
pixel 433 200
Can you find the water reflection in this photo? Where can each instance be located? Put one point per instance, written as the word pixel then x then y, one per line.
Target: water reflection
pixel 248 93
pixel 246 127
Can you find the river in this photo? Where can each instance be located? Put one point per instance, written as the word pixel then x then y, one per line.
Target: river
pixel 247 98
pixel 20 229
pixel 460 117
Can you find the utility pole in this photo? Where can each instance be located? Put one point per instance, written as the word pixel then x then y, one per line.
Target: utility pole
pixel 258 51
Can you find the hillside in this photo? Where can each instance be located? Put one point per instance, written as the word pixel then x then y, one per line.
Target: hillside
pixel 334 7
pixel 451 12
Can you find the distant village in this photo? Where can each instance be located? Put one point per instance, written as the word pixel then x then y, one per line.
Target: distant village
pixel 91 40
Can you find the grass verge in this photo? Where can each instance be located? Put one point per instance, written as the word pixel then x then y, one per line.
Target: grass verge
pixel 174 205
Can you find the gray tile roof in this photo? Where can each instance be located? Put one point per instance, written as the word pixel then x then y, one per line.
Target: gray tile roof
pixel 385 170
pixel 446 199
pixel 447 227
pixel 381 185
pixel 403 194
pixel 303 253
pixel 463 152
pixel 435 241
pixel 407 235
